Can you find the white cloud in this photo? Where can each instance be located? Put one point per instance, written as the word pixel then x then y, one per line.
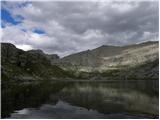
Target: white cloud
pixel 24 47
pixel 75 26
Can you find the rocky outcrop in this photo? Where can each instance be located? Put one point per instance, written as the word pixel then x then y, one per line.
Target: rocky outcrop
pixel 9 53
pixel 12 55
pixel 53 58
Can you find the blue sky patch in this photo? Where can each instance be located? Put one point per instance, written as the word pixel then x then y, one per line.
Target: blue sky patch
pixel 7 17
pixel 39 31
pixel 19 18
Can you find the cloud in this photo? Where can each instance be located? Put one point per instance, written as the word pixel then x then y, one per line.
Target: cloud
pixel 70 27
pixel 24 47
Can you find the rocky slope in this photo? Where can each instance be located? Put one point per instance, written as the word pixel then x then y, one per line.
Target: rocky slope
pixel 111 57
pixel 138 61
pixel 19 65
pixel 53 58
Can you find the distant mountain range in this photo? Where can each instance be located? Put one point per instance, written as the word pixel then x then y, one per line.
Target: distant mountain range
pixel 120 60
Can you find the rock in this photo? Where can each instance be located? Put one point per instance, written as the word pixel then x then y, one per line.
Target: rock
pixel 33 63
pixel 111 57
pixel 54 58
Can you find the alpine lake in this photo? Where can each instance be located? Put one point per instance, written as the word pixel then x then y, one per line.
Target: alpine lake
pixel 81 99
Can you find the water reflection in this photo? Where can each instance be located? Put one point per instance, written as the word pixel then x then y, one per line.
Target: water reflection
pixel 60 110
pixel 107 99
pixel 64 110
pixel 114 99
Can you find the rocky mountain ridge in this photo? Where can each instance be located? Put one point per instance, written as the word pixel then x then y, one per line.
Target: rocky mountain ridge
pixel 17 64
pixel 111 57
pixel 139 61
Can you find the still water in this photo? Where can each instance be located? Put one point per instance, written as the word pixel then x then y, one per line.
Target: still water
pixel 112 99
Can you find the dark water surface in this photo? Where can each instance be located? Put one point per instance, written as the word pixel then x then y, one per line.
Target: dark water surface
pixel 112 99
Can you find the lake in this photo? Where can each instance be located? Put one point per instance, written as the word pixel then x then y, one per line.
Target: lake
pixel 79 99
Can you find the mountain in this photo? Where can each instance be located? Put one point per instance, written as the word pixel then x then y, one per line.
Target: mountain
pixel 19 65
pixel 30 78
pixel 138 61
pixel 53 58
pixel 111 57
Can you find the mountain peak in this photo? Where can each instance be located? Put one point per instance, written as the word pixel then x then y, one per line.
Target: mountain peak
pixel 36 51
pixel 8 44
pixel 149 42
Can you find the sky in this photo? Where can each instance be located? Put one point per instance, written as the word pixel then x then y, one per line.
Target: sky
pixel 68 27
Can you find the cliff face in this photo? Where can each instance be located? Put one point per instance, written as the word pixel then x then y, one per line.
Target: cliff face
pixel 112 57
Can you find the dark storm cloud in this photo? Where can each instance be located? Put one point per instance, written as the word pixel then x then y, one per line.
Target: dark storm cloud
pixel 143 17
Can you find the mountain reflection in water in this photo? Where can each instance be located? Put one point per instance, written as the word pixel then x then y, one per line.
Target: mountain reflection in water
pixel 64 110
pixel 129 99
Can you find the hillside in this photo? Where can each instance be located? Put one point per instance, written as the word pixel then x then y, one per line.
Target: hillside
pixel 111 57
pixel 18 65
pixel 138 61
